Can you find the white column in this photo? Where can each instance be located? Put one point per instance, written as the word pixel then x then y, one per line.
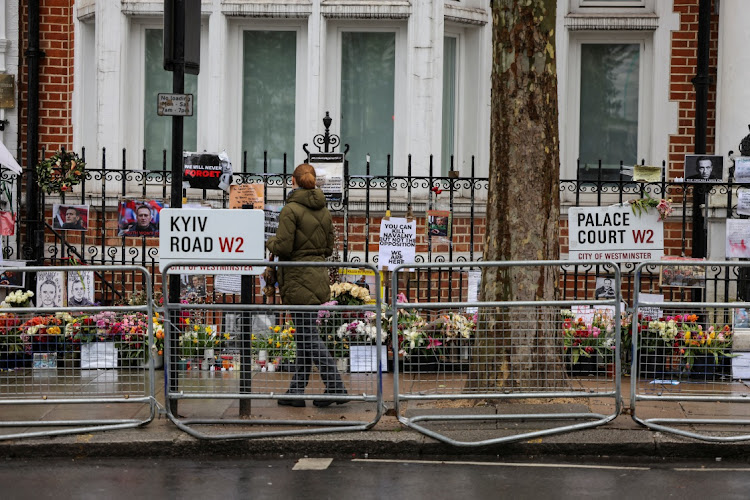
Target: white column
pixel 110 41
pixel 424 89
pixel 733 91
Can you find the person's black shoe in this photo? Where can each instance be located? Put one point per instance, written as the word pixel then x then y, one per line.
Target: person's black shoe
pixel 297 403
pixel 324 403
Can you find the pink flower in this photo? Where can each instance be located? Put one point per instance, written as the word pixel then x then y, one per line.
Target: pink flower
pixel 401 298
pixel 433 343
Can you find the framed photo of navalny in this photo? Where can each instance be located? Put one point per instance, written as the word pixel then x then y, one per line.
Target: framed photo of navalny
pixel 704 168
pixel 139 217
pixel 70 217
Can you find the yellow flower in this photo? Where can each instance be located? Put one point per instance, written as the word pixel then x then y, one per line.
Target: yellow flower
pixel 187 321
pixel 226 336
pixel 209 329
pixel 277 329
pixel 252 337
pixel 687 335
pixel 196 328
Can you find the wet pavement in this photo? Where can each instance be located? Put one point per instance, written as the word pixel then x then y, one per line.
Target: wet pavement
pixel 267 429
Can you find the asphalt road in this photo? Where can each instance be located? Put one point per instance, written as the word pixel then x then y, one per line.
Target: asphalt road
pixel 363 479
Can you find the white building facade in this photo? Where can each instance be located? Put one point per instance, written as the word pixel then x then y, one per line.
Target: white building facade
pixel 398 78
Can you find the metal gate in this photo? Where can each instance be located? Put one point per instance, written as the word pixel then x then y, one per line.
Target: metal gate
pixel 683 354
pixel 233 363
pixel 84 355
pixel 525 368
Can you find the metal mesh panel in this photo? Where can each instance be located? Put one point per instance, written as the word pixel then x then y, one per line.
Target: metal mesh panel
pixel 684 381
pixel 82 354
pixel 237 363
pixel 455 354
pixel 499 361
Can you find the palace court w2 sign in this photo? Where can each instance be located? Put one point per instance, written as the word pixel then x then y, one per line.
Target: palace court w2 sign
pixel 614 233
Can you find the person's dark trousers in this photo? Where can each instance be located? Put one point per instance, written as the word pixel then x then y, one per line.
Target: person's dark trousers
pixel 311 349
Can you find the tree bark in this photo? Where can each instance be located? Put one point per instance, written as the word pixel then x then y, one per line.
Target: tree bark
pixel 521 347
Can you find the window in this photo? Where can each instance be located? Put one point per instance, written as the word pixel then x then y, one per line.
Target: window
pixel 609 104
pixel 268 97
pixel 607 113
pixel 449 104
pixel 368 62
pixel 157 135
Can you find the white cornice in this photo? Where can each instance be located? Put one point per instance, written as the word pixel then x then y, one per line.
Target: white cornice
pixel 353 9
pixel 465 15
pixel 256 8
pixel 641 22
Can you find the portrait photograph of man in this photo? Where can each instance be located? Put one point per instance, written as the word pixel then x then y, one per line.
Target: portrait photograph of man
pixel 139 218
pixel 70 217
pixel 704 168
pixel 605 288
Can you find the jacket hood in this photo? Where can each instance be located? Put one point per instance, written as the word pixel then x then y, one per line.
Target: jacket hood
pixel 314 199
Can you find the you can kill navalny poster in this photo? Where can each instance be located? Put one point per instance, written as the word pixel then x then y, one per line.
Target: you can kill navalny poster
pixel 614 233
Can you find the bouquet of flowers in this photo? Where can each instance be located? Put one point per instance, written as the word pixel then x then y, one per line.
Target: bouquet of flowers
pixel 349 294
pixel 10 334
pixel 693 341
pixel 199 337
pixel 17 299
pixel 581 339
pixel 279 343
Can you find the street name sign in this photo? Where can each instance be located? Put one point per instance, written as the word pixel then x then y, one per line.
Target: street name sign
pixel 614 233
pixel 211 235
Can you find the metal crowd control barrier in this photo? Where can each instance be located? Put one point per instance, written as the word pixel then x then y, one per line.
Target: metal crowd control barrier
pixel 682 354
pixel 534 360
pixel 223 358
pixel 87 355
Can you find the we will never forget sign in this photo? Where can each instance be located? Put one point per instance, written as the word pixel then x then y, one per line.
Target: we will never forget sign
pixel 614 233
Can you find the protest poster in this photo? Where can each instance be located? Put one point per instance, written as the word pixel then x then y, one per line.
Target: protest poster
pixel 688 274
pixel 646 173
pixel 398 242
pixel 362 277
pixel 206 171
pixel 70 217
pixel 139 217
pixel 738 238
pixel 329 170
pixel 242 195
pixel 742 169
pixel 439 223
pixel 271 219
pixel 743 202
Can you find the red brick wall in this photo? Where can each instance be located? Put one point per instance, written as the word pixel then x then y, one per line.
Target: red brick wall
pixel 55 75
pixel 684 60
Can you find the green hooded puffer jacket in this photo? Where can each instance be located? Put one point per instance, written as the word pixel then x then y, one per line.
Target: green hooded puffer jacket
pixel 305 233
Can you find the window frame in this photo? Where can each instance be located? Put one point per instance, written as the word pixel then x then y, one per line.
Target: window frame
pixel 458 113
pixel 331 83
pixel 233 86
pixel 136 94
pixel 569 167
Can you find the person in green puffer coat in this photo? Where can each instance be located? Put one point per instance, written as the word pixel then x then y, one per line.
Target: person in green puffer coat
pixel 305 233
